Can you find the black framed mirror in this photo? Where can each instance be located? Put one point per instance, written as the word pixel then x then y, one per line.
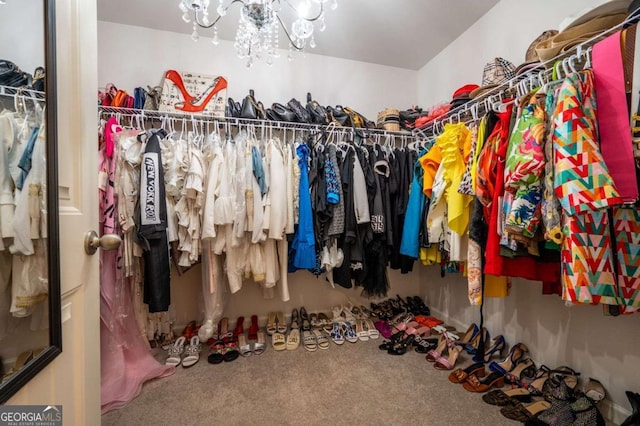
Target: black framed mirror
pixel 30 300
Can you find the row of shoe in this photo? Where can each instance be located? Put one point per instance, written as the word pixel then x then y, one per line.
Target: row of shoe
pixel 348 323
pixel 551 394
pixel 295 112
pixel 550 398
pixel 390 308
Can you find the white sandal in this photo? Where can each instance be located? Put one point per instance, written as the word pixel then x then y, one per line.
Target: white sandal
pixel 192 353
pixel 175 351
pixel 243 346
pixel 278 342
pixel 362 334
pixel 323 342
pixel 371 329
pixel 310 342
pixel 259 345
pixel 293 339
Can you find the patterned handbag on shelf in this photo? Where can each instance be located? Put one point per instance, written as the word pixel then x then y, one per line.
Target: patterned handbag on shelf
pixel 193 93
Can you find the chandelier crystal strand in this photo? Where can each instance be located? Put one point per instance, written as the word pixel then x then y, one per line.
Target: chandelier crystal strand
pixel 216 39
pixel 257 34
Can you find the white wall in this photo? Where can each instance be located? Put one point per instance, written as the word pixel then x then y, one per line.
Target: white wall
pixel 505 31
pixel 134 56
pixel 22 33
pixel 602 347
pixel 315 294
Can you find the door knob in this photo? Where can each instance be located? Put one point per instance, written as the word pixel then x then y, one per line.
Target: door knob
pixel 106 242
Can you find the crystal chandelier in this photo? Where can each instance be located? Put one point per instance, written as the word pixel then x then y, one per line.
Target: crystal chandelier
pixel 258 27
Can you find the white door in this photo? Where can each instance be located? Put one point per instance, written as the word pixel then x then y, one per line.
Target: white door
pixel 73 378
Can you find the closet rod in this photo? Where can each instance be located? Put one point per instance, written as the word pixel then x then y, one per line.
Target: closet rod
pixel 22 92
pixel 276 125
pixel 579 51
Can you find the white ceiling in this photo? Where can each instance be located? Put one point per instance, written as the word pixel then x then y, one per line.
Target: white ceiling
pixel 400 33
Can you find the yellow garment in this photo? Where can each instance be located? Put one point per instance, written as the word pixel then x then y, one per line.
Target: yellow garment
pixel 430 163
pixel 495 286
pixel 482 130
pixel 430 255
pixel 451 143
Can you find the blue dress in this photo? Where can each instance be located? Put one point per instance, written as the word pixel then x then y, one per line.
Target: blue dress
pixel 304 242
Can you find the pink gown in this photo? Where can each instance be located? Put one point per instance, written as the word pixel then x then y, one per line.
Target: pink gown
pixel 126 362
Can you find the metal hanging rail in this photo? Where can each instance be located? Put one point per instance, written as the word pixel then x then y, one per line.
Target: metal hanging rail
pixel 22 92
pixel 266 124
pixel 473 109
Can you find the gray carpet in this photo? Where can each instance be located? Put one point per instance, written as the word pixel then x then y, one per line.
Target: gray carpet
pixel 355 384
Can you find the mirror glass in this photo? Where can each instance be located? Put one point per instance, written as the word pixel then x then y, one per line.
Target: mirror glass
pixel 29 284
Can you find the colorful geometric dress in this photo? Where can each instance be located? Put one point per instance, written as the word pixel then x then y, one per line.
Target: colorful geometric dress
pixel 585 190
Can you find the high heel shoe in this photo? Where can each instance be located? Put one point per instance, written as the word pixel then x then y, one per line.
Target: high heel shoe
pixel 506 365
pixel 449 362
pixel 224 334
pixel 401 347
pixel 194 103
pixel 435 354
pixel 385 345
pixel 473 384
pixel 460 375
pixel 239 328
pixel 634 418
pixel 253 328
pixel 525 370
pixel 497 347
pixel 469 336
pixel 472 347
pixel 305 325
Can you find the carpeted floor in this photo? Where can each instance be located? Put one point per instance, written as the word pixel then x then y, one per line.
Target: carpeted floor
pixel 352 384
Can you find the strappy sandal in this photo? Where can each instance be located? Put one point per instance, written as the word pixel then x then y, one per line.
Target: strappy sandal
pixel 281 324
pixel 423 345
pixel 523 371
pixel 271 323
pixel 568 374
pixel 336 334
pixel 305 325
pixel 349 334
pixel 192 353
pixel 449 362
pixel 175 352
pixel 371 329
pixel 223 330
pixel 362 334
pixel 435 354
pixel 315 322
pixel 326 323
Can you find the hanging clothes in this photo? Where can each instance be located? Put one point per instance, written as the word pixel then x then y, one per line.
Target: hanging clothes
pixel 152 228
pixel 126 361
pixel 303 244
pixel 585 189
